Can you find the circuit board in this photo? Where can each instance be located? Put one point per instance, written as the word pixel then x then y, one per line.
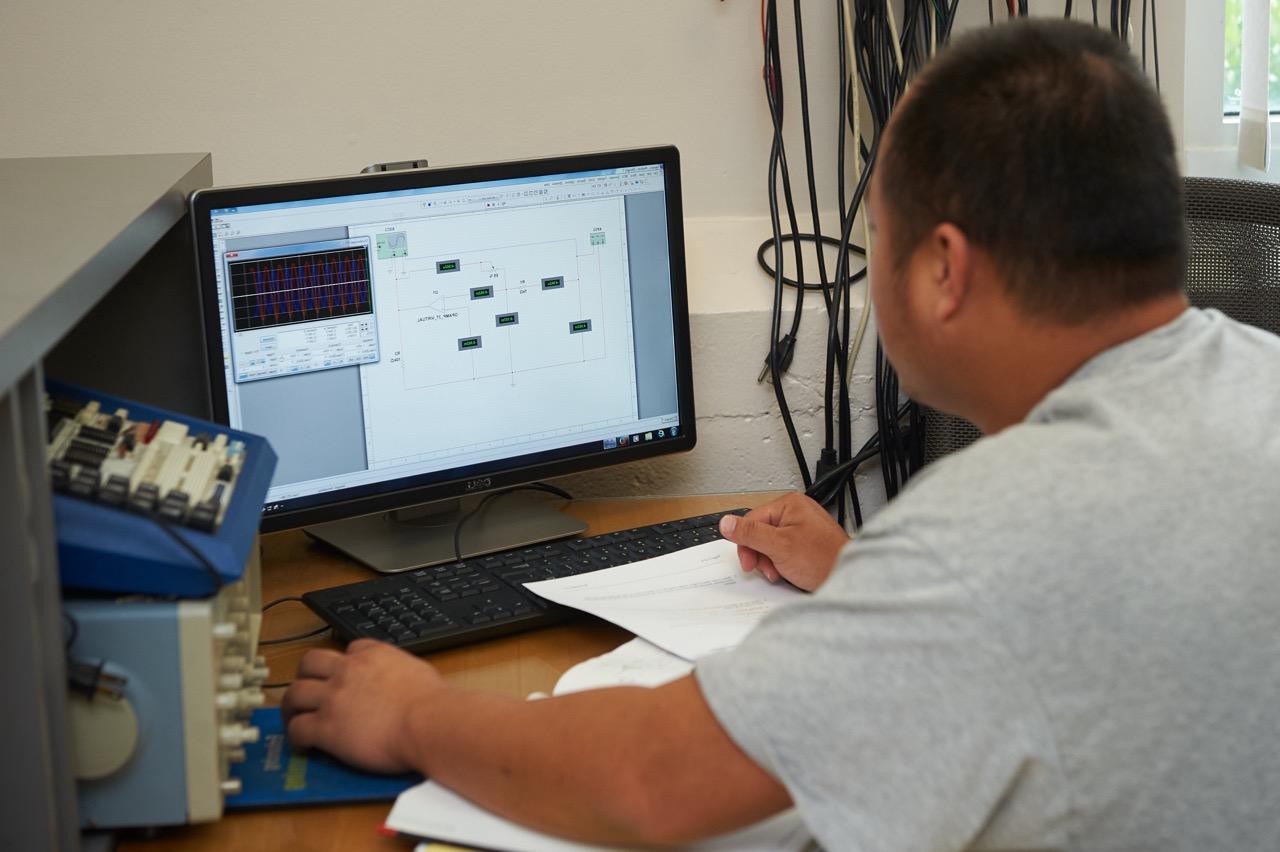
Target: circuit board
pixel 151 467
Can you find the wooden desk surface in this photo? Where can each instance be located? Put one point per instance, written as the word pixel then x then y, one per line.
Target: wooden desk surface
pixel 516 665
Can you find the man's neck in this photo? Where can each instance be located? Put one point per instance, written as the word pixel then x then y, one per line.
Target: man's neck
pixel 1036 358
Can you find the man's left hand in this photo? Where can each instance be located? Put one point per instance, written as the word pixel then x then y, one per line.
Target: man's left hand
pixel 356 705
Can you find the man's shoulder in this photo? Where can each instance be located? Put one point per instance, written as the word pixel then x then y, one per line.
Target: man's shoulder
pixel 1001 475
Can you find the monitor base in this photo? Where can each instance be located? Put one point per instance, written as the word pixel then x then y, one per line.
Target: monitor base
pixel 390 542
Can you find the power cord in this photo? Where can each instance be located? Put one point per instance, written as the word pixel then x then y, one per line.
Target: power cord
pixel 207 565
pixel 488 498
pixel 778 169
pixel 296 637
pixel 282 640
pixel 85 678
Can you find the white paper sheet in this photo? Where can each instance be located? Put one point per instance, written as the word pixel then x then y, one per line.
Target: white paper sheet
pixel 432 811
pixel 635 663
pixel 692 602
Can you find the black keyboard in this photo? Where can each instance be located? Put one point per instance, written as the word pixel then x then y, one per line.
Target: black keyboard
pixel 446 605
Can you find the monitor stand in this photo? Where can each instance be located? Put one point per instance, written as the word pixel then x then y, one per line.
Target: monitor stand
pixel 423 535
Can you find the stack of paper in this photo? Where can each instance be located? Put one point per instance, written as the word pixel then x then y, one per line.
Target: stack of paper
pixel 634 663
pixel 430 810
pixel 692 602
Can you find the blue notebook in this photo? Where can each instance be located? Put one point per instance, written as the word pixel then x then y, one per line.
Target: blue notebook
pixel 273 775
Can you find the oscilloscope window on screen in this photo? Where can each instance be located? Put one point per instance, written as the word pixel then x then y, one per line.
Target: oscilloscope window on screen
pixel 382 336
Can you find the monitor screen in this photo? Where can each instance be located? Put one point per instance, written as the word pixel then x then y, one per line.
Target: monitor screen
pixel 413 336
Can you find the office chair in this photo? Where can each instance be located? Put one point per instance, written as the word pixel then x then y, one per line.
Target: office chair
pixel 1233 264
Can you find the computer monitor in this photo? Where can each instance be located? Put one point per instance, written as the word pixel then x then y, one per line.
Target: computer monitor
pixel 419 336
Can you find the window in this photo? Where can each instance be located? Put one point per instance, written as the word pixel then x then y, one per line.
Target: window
pixel 1231 59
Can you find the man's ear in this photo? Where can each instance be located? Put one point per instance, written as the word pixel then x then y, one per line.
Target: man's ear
pixel 951 263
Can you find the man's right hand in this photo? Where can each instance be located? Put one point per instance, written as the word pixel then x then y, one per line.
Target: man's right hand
pixel 793 538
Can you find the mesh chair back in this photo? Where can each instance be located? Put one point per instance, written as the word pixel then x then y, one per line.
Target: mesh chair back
pixel 946 433
pixel 1233 264
pixel 1233 235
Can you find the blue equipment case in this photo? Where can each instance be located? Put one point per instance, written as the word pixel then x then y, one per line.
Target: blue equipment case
pixel 108 549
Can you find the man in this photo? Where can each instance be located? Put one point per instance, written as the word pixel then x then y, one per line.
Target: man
pixel 1062 637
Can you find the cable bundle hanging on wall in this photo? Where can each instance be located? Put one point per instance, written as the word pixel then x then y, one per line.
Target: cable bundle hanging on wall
pixel 877 59
pixel 875 63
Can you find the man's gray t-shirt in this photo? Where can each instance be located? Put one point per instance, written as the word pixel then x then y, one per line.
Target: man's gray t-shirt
pixel 1066 636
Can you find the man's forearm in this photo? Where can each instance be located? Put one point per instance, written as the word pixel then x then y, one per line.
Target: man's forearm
pixel 558 765
pixel 623 765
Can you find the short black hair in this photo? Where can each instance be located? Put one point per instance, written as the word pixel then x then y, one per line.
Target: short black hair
pixel 1045 143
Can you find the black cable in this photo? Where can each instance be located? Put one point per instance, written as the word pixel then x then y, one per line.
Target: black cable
pixel 1144 36
pixel 951 21
pixel 774 333
pixel 762 255
pixel 72 631
pixel 808 158
pixel 296 637
pixel 827 488
pixel 773 81
pixel 844 117
pixel 845 244
pixel 193 550
pixel 1155 44
pixel 777 155
pixel 484 501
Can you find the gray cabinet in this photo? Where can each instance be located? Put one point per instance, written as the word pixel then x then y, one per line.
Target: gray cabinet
pixel 95 267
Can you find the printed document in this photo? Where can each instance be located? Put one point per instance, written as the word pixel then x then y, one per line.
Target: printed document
pixel 692 603
pixel 432 811
pixel 634 663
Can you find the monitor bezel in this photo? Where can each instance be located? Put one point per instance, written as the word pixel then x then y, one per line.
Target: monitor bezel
pixel 350 502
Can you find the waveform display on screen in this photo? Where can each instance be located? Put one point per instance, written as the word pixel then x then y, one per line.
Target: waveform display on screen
pixel 295 288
